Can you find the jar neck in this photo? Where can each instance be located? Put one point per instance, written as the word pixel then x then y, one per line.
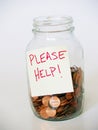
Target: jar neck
pixel 52 26
pixel 53 35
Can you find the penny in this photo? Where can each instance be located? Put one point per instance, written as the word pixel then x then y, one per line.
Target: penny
pixel 68 96
pixel 78 92
pixel 80 78
pixel 80 81
pixel 54 102
pixel 74 103
pixel 45 100
pixel 43 113
pixel 42 107
pixel 60 109
pixel 74 69
pixel 50 112
pixel 77 78
pixel 74 76
pixel 64 102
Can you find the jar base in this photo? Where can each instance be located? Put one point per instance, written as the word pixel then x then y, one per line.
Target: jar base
pixel 63 118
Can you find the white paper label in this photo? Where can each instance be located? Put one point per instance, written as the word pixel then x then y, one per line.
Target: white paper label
pixel 49 71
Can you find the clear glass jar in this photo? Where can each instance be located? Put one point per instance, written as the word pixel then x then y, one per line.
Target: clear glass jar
pixel 55 69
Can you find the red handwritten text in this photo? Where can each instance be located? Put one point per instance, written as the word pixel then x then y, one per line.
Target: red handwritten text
pixel 46 56
pixel 42 73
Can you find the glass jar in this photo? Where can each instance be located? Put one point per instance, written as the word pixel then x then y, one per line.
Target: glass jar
pixel 55 69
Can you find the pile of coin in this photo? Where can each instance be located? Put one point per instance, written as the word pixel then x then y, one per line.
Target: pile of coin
pixel 61 106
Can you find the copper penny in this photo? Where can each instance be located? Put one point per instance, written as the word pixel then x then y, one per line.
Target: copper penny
pixel 50 112
pixel 45 100
pixel 43 113
pixel 77 77
pixel 80 78
pixel 54 102
pixel 74 103
pixel 78 92
pixel 68 96
pixel 60 109
pixel 74 77
pixel 64 102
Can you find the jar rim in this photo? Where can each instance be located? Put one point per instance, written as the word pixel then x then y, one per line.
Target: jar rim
pixel 52 21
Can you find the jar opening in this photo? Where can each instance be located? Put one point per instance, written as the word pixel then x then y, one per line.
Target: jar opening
pixel 52 24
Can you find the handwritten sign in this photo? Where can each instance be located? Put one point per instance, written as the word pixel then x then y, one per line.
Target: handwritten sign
pixel 49 71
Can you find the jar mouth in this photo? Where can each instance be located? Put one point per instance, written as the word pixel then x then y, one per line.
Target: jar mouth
pixel 52 23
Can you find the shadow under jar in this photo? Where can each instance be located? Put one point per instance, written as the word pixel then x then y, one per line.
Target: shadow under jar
pixel 54 59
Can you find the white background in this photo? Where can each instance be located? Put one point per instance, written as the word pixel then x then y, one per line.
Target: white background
pixel 16 18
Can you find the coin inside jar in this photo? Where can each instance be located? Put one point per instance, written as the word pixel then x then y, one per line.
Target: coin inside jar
pixel 45 100
pixel 54 102
pixel 43 113
pixel 50 112
pixel 68 96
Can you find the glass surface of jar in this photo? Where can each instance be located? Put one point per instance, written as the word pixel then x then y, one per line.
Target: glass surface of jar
pixel 55 69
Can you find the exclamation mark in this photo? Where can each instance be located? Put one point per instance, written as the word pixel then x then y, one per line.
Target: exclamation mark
pixel 59 70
